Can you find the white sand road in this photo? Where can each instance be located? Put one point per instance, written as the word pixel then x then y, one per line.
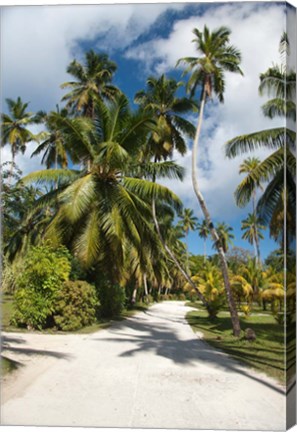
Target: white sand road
pixel 148 371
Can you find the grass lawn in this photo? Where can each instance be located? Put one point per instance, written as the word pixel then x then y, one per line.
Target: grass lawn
pixel 266 354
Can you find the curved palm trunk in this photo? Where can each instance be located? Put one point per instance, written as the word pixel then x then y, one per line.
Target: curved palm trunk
pixel 176 262
pixel 224 265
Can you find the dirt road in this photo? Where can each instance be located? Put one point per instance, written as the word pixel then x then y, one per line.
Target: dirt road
pixel 148 371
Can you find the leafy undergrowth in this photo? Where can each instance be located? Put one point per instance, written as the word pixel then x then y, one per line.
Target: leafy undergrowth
pixel 102 323
pixel 265 354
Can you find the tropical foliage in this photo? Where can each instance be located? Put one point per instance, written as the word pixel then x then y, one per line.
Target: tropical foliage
pixel 96 232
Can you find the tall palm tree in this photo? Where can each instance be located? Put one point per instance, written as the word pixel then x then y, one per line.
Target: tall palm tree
pixel 14 131
pixel 203 232
pixel 103 210
pixel 216 55
pixel 160 99
pixel 188 222
pixel 252 227
pixel 279 83
pixel 168 134
pixel 93 82
pixel 52 145
pixel 248 166
pixel 225 235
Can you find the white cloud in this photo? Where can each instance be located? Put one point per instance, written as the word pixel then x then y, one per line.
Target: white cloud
pixel 38 42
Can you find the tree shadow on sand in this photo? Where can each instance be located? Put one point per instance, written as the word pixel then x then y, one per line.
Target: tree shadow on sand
pixel 162 340
pixel 15 345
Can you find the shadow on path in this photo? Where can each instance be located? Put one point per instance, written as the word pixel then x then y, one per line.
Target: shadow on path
pixel 163 340
pixel 6 346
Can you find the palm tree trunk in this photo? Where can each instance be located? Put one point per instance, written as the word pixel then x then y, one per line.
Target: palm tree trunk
pixel 204 249
pixel 256 239
pixel 134 294
pixel 224 265
pixel 171 254
pixel 187 254
pixel 145 284
pixel 257 248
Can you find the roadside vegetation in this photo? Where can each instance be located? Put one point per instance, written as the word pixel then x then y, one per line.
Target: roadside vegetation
pixel 265 354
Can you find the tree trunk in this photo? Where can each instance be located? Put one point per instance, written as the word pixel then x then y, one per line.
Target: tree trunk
pixel 145 284
pixel 204 250
pixel 187 253
pixel 134 295
pixel 218 245
pixel 172 256
pixel 257 247
pixel 256 239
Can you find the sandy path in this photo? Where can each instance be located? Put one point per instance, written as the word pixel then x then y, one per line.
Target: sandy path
pixel 148 371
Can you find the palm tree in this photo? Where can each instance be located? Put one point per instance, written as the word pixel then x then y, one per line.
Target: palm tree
pixel 272 290
pixel 248 166
pixel 242 289
pixel 210 282
pixel 160 99
pixel 252 227
pixel 207 71
pixel 14 129
pixel 188 223
pixel 161 103
pixel 203 232
pixel 280 83
pixel 53 144
pixel 225 235
pixel 93 82
pixel 103 211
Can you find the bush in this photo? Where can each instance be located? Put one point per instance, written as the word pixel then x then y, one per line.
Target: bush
pixel 44 272
pixel 76 305
pixel 246 309
pixel 112 299
pixel 148 299
pixel 182 297
pixel 10 272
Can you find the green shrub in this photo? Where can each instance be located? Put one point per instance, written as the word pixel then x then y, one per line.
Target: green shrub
pixel 112 299
pixel 77 271
pixel 10 272
pixel 246 309
pixel 44 272
pixel 76 305
pixel 149 299
pixel 182 297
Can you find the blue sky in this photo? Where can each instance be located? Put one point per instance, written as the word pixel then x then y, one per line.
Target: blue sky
pixel 147 39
